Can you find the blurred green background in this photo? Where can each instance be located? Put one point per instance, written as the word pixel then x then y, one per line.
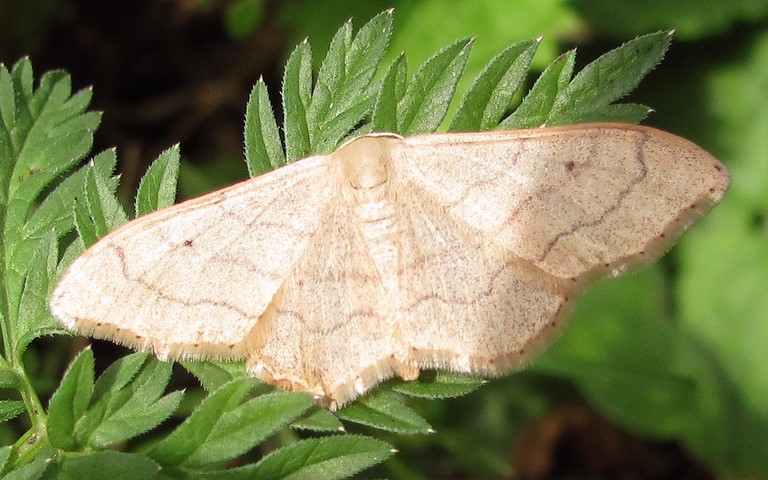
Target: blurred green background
pixel 660 374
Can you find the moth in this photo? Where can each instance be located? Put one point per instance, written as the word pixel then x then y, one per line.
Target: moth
pixel 456 251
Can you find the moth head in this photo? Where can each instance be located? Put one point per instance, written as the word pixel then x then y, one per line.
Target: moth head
pixel 365 161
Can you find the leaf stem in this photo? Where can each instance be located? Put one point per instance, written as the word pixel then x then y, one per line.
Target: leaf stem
pixel 35 439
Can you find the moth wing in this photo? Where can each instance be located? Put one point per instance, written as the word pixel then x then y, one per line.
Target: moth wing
pixel 578 202
pixel 464 302
pixel 192 280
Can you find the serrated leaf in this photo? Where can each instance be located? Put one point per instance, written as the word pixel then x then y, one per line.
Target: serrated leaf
pixel 263 150
pixel 319 420
pixel 48 133
pixel 108 465
pixel 441 385
pixel 107 212
pixel 56 135
pixel 73 250
pixel 609 78
pixel 10 409
pixel 430 92
pixel 157 188
pixel 70 401
pixel 490 95
pixel 342 97
pixel 117 375
pixel 100 212
pixel 244 427
pixel 109 394
pixel 7 108
pixel 296 93
pixel 618 113
pixel 536 106
pixel 385 117
pixel 327 458
pixel 213 375
pixel 132 421
pixel 35 319
pixel 56 210
pixel 385 413
pixel 142 408
pixel 330 76
pixel 192 434
pixel 23 78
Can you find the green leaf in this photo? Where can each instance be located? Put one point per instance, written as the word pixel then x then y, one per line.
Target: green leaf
pixel 319 420
pixel 134 419
pixel 35 319
pixel 342 97
pixel 157 188
pixel 439 385
pixel 8 377
pixel 30 471
pixel 193 433
pixel 7 108
pixel 322 458
pixel 244 427
pixel 296 93
pixel 391 90
pixel 44 132
pixel 317 119
pixel 52 134
pixel 263 150
pixel 620 113
pixel 535 108
pixel 10 409
pixel 489 97
pixel 117 375
pixel 139 408
pixel 385 413
pixel 109 393
pixel 100 212
pixel 56 209
pixel 213 375
pixel 429 93
pixel 70 401
pixel 330 76
pixel 108 465
pixel 609 78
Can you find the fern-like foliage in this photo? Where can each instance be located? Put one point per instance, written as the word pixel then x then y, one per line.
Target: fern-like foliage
pixel 47 192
